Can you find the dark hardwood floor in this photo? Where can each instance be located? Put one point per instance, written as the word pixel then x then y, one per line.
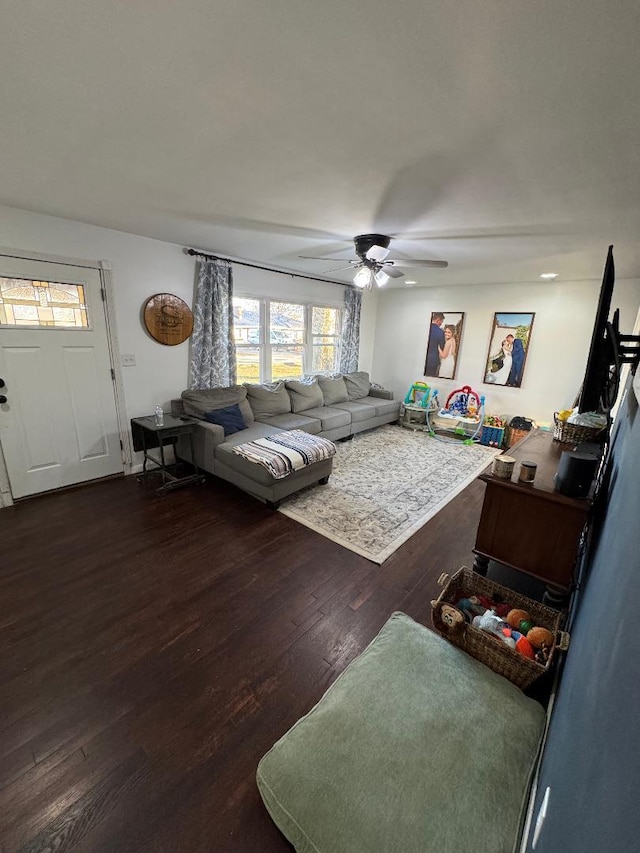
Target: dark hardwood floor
pixel 154 648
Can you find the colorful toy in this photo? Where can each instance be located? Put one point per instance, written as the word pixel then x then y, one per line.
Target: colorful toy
pixel 540 638
pixel 492 624
pixel 515 617
pixel 418 395
pixel 525 626
pixel 525 648
pixel 471 607
pixel 452 618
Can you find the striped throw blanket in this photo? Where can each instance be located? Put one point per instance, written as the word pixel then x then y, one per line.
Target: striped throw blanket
pixel 285 452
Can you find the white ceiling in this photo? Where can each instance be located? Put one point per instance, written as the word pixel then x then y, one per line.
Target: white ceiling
pixel 502 135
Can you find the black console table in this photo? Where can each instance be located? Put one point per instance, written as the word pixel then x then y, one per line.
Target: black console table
pixel 147 434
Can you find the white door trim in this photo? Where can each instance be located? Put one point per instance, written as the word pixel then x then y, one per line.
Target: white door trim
pixel 106 283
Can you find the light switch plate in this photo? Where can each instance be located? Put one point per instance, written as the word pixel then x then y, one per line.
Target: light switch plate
pixel 128 360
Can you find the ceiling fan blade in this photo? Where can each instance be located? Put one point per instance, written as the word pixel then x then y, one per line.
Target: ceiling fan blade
pixel 352 266
pixel 415 262
pixel 392 271
pixel 377 253
pixel 325 259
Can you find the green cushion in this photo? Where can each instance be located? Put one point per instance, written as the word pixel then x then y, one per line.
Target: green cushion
pixel 416 748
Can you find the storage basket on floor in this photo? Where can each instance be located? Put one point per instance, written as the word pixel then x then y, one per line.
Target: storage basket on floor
pixel 573 433
pixel 489 649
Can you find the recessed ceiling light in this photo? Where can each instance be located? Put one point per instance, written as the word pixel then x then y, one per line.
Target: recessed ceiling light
pixel 549 275
pixel 410 281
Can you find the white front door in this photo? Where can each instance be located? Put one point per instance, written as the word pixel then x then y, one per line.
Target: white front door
pixel 58 425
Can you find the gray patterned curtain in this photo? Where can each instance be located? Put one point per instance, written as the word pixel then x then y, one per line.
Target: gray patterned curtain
pixel 350 348
pixel 213 352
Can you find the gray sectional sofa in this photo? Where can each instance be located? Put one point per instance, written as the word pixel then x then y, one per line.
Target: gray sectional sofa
pixel 332 407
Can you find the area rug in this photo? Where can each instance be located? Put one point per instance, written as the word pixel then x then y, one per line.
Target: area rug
pixel 386 484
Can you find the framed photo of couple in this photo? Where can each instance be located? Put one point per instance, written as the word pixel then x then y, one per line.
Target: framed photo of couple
pixel 508 348
pixel 443 344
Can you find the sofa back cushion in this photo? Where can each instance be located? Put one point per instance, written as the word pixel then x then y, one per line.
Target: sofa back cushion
pixel 268 400
pixel 198 401
pixel 304 395
pixel 230 419
pixel 358 385
pixel 334 390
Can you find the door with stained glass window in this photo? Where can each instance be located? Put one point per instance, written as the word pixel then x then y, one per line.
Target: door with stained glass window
pixel 58 425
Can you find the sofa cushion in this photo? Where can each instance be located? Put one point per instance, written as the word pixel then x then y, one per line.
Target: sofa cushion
pixel 268 399
pixel 304 395
pixel 198 401
pixel 230 418
pixel 416 746
pixel 380 406
pixel 358 384
pixel 291 421
pixel 329 417
pixel 357 411
pixel 334 390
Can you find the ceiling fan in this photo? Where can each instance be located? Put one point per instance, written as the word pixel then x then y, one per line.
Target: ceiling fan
pixel 373 263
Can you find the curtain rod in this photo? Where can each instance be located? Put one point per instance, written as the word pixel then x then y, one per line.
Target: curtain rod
pixel 196 253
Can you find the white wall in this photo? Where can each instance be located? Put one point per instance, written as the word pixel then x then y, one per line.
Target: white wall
pixel 142 267
pixel 565 313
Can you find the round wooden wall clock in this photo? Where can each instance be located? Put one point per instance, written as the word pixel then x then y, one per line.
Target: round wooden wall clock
pixel 167 318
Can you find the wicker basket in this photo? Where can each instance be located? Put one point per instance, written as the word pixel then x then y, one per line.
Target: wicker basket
pixel 573 433
pixel 514 435
pixel 484 647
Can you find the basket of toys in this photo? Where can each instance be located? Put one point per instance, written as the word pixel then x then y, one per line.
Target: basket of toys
pixel 518 428
pixel 493 428
pixel 569 432
pixel 515 636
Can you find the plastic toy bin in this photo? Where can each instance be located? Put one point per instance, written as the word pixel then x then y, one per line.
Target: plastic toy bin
pixel 492 436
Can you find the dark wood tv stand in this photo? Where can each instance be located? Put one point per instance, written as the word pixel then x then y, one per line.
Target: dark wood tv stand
pixel 531 527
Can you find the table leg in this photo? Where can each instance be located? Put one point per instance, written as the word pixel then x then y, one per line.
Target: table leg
pixel 163 466
pixel 480 564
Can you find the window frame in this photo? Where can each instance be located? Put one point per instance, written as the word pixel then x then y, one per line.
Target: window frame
pixel 265 347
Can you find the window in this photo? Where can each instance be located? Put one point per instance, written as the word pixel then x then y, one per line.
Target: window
pixel 24 302
pixel 284 340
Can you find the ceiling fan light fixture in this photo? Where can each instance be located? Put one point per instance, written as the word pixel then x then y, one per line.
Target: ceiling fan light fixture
pixel 362 278
pixel 377 253
pixel 381 278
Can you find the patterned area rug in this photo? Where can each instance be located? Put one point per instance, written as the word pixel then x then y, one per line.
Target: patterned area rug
pixel 386 484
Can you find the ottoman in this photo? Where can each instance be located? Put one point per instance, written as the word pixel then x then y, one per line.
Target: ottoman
pixel 415 748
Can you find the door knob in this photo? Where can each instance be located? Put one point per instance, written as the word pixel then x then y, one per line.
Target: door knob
pixel 3 399
pixel 1 383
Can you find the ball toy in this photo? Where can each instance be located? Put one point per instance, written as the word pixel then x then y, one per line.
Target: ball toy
pixel 525 648
pixel 525 626
pixel 540 638
pixel 515 617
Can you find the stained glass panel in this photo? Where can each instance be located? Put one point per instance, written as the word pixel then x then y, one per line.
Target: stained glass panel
pixel 42 304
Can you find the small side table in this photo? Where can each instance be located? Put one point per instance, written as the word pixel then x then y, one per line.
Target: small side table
pixel 147 434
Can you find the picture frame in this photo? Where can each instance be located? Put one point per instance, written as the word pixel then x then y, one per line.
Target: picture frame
pixel 509 344
pixel 443 344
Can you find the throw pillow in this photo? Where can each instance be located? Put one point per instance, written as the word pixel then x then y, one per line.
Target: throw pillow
pixel 198 401
pixel 230 418
pixel 333 390
pixel 304 395
pixel 268 400
pixel 358 385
